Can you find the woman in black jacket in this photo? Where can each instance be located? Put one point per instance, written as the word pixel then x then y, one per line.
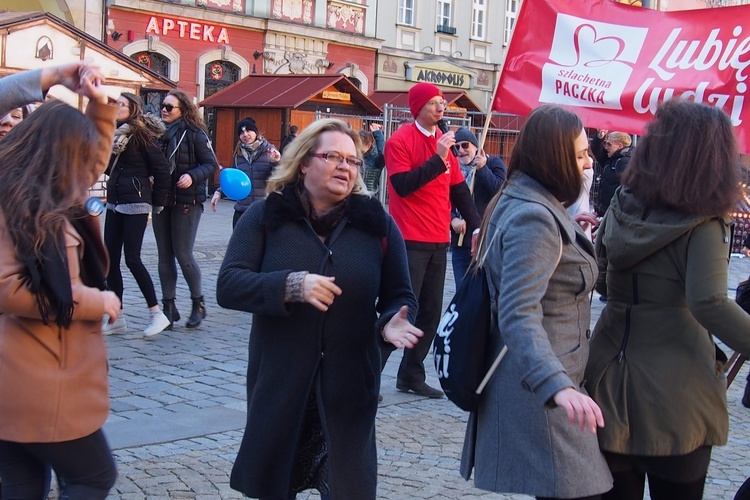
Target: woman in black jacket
pixel 191 162
pixel 136 160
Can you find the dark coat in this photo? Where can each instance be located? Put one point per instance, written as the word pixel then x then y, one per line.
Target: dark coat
pixel 611 171
pixel 129 179
pixel 194 157
pixel 258 167
pixel 296 350
pixel 486 185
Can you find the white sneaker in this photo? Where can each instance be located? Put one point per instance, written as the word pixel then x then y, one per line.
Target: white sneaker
pixel 119 326
pixel 157 322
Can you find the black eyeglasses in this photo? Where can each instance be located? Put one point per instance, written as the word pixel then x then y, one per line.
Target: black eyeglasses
pixel 337 159
pixel 463 145
pixel 169 107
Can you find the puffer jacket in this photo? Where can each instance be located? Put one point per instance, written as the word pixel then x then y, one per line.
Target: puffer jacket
pixel 258 167
pixel 192 155
pixel 129 175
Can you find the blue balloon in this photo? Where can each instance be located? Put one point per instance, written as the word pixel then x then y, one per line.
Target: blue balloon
pixel 235 183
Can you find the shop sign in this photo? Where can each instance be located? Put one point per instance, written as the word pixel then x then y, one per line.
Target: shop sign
pixel 338 96
pixel 187 29
pixel 438 74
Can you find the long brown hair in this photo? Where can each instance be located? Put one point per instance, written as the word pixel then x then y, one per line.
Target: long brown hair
pixel 687 161
pixel 545 151
pixel 143 128
pixel 190 112
pixel 46 170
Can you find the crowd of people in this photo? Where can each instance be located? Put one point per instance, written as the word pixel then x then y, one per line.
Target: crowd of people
pixel 569 413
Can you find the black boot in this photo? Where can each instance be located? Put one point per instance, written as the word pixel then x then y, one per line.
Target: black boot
pixel 197 314
pixel 171 312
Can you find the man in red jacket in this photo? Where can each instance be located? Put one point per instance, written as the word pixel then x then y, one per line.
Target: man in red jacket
pixel 424 178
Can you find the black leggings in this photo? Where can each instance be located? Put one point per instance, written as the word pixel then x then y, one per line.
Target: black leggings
pixel 84 467
pixel 126 231
pixel 680 477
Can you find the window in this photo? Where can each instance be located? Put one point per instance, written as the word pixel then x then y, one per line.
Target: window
pixel 444 12
pixel 511 13
pixel 406 12
pixel 478 16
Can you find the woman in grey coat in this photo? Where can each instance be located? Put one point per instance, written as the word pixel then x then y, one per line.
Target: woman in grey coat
pixel 535 429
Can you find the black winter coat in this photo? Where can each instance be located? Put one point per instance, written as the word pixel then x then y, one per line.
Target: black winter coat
pixel 129 179
pixel 296 350
pixel 194 156
pixel 488 182
pixel 611 171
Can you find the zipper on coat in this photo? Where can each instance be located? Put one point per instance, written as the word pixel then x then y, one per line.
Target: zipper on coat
pixel 628 311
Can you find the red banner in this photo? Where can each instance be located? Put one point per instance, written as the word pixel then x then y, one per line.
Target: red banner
pixel 613 64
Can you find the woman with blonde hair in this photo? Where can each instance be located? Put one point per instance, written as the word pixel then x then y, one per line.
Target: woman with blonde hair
pixel 53 382
pixel 295 260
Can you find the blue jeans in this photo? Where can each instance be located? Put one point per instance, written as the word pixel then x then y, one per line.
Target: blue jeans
pixel 175 229
pixel 460 258
pixel 85 468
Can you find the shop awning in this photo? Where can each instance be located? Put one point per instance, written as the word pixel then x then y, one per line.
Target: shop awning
pixel 286 91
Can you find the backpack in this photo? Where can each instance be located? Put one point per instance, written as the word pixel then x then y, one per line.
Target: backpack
pixel 460 346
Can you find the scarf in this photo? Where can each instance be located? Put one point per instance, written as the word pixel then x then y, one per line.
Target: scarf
pixel 48 276
pixel 171 142
pixel 323 225
pixel 122 137
pixel 253 150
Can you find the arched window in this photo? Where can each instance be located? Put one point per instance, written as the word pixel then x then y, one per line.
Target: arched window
pixel 153 61
pixel 220 74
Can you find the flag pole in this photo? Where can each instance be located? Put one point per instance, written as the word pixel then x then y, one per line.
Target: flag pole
pixel 487 121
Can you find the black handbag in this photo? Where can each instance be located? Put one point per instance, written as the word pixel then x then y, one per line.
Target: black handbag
pixel 742 296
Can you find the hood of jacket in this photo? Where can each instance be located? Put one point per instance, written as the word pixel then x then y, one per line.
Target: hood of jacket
pixel 631 231
pixel 363 212
pixel 623 152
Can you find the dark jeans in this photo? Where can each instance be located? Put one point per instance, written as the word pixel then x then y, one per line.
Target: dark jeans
pixel 85 468
pixel 427 273
pixel 460 258
pixel 680 477
pixel 175 230
pixel 123 231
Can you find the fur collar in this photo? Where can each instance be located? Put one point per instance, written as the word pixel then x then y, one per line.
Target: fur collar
pixel 363 212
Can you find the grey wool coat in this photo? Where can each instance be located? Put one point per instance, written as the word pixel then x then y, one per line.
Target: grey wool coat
pixel 296 350
pixel 518 441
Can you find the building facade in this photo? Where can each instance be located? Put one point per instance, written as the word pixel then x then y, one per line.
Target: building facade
pixel 455 44
pixel 206 45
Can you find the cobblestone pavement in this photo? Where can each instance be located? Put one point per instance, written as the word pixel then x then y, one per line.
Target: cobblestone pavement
pixel 178 404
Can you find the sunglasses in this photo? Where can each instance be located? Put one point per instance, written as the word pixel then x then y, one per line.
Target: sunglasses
pixel 169 107
pixel 463 145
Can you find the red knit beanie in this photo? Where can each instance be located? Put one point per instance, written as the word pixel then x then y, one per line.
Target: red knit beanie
pixel 420 94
